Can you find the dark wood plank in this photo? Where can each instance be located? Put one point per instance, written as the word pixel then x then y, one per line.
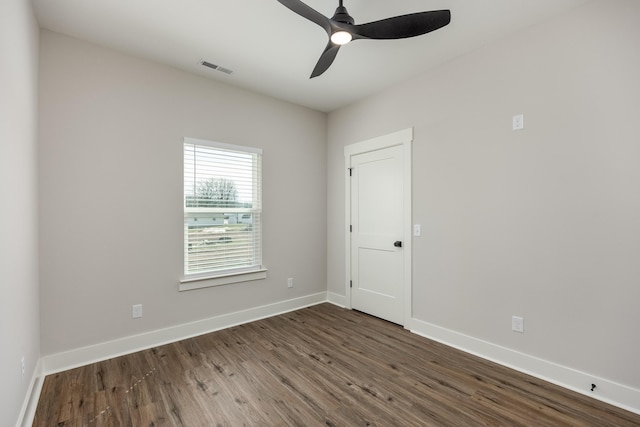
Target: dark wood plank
pixel 320 366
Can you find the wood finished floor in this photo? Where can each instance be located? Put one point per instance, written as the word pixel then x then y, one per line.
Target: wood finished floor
pixel 320 366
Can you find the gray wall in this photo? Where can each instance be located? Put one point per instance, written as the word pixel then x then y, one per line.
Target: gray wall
pixel 19 318
pixel 542 223
pixel 111 130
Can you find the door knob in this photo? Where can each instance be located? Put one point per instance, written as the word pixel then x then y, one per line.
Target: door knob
pixel 397 244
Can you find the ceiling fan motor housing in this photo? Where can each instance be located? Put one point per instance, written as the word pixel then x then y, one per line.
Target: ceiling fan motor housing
pixel 343 16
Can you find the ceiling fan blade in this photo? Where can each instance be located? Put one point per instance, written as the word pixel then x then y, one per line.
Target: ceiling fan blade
pixel 326 59
pixel 403 26
pixel 307 12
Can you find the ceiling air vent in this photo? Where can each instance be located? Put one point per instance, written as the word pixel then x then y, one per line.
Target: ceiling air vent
pixel 216 67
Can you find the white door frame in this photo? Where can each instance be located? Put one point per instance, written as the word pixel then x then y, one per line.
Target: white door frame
pixel 405 139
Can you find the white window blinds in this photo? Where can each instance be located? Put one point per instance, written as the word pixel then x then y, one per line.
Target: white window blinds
pixel 222 208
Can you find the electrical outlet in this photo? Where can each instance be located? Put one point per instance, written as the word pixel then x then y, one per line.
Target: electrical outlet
pixel 290 282
pixel 136 311
pixel 517 324
pixel 22 367
pixel 518 122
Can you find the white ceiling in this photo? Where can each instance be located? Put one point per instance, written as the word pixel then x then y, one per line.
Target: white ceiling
pixel 272 50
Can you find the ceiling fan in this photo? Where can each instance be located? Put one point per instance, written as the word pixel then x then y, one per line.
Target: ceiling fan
pixel 341 28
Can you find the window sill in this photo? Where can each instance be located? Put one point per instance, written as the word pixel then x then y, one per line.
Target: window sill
pixel 191 283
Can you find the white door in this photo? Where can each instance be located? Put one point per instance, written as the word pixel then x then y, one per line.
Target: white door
pixel 378 264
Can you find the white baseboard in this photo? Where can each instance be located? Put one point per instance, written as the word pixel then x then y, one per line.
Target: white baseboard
pixel 616 394
pixel 95 353
pixel 337 299
pixel 28 410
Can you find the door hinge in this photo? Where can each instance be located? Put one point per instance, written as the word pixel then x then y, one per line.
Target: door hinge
pixel 350 228
pixel 350 171
pixel 351 283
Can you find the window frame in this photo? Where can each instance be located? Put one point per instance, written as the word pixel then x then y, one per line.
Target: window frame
pixel 197 280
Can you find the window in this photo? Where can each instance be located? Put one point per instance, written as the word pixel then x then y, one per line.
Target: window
pixel 222 213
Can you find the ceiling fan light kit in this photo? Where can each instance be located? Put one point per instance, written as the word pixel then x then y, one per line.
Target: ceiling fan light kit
pixel 341 28
pixel 341 37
